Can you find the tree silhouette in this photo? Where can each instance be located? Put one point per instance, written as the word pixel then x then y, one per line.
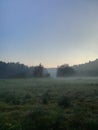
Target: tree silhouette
pixel 38 71
pixel 65 70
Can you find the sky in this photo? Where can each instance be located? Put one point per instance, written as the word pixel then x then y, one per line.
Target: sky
pixel 51 32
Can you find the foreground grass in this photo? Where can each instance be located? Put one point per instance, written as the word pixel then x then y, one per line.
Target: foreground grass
pixel 54 104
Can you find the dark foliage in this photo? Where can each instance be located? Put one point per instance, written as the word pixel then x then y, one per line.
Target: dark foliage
pixel 17 70
pixel 13 70
pixel 64 102
pixel 46 97
pixel 87 69
pixel 65 70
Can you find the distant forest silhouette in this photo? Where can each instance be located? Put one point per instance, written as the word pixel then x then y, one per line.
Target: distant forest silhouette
pixel 17 70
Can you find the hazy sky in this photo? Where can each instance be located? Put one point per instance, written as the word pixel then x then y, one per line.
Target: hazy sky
pixel 52 32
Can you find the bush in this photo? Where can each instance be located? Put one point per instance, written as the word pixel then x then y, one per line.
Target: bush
pixel 46 97
pixel 64 101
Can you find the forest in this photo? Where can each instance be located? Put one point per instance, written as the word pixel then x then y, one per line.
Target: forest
pixel 17 70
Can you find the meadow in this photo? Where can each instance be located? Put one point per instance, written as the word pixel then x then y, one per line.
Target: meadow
pixel 46 103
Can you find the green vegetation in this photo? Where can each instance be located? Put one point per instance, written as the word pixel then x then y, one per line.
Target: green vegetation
pixel 49 104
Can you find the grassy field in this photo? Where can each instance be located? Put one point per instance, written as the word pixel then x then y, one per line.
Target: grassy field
pixel 52 104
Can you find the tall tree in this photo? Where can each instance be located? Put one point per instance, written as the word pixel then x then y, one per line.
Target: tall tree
pixel 65 70
pixel 38 71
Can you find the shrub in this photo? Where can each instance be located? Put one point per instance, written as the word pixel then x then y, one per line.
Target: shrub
pixel 64 101
pixel 46 98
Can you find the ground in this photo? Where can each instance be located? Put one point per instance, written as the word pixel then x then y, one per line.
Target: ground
pixel 46 103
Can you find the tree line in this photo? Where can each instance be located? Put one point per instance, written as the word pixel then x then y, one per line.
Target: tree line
pixel 17 70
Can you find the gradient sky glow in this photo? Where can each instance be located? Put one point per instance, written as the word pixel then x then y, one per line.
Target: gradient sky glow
pixel 52 32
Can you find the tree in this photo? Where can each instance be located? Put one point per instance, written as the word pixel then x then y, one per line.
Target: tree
pixel 65 70
pixel 38 71
pixel 13 70
pixel 17 70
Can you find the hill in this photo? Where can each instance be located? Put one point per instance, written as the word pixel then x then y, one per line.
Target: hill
pixel 87 69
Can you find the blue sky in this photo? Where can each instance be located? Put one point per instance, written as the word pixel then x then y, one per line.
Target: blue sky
pixel 51 32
